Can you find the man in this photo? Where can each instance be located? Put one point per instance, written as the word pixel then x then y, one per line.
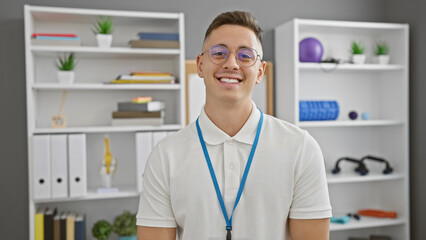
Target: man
pixel 235 173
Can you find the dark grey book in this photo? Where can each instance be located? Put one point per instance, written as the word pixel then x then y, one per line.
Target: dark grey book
pixel 153 106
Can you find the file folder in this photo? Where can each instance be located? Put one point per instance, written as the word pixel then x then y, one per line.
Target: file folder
pixel 157 136
pixel 48 223
pixel 59 156
pixel 39 225
pixel 70 226
pixel 143 149
pixel 77 165
pixel 56 227
pixel 80 231
pixel 41 167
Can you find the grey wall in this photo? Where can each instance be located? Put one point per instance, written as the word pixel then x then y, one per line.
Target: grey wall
pixel 198 14
pixel 413 13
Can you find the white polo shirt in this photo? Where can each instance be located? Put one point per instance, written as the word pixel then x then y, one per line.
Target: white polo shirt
pixel 286 180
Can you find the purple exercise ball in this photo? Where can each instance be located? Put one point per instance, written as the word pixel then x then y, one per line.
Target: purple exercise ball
pixel 310 50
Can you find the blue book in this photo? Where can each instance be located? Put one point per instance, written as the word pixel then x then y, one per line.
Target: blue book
pixel 58 38
pixel 79 229
pixel 159 36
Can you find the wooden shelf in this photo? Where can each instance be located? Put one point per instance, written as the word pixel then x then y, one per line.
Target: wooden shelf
pixel 107 129
pixel 367 222
pixel 329 67
pixel 355 178
pixel 356 123
pixel 101 86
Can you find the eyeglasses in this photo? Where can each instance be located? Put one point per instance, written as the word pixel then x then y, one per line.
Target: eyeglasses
pixel 246 57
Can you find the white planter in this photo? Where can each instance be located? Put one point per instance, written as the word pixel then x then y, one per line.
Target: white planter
pixel 358 58
pixel 382 59
pixel 104 40
pixel 66 77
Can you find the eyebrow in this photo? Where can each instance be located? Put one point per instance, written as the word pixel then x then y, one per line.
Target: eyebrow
pixel 243 46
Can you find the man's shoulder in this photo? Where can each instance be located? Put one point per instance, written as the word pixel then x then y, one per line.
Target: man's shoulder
pixel 279 126
pixel 181 137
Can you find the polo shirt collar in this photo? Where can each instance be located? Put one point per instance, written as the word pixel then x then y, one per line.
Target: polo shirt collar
pixel 213 135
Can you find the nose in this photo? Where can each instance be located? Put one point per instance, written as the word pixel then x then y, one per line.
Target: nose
pixel 231 62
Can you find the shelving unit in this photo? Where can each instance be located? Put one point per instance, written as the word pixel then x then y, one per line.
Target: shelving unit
pixel 381 90
pixel 90 100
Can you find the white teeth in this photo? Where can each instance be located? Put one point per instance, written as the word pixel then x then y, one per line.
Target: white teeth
pixel 227 80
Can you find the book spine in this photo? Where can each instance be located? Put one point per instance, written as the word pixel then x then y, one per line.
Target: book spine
pixel 159 36
pixel 53 35
pixel 58 38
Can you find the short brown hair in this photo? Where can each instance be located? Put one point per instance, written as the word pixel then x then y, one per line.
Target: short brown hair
pixel 240 18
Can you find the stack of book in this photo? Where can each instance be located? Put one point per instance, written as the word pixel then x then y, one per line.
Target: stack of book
pixel 156 40
pixel 145 77
pixel 63 39
pixel 140 111
pixel 51 225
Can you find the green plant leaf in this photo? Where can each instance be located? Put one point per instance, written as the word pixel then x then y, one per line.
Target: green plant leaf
pixel 357 48
pixel 381 48
pixel 66 63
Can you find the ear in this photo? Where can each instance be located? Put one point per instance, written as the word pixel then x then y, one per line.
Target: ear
pixel 261 72
pixel 200 66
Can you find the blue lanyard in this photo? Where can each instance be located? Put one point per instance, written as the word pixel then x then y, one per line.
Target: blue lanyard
pixel 243 180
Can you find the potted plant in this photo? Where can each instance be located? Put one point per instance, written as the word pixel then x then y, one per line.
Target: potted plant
pixel 66 65
pixel 101 230
pixel 125 226
pixel 103 30
pixel 358 56
pixel 382 53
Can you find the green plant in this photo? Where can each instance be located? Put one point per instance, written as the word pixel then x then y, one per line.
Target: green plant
pixel 101 230
pixel 66 63
pixel 125 224
pixel 103 25
pixel 381 49
pixel 357 48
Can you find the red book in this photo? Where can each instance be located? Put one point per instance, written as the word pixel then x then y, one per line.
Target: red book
pixel 54 35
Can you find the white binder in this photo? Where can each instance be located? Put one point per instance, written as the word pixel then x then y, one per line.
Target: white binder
pixel 41 167
pixel 143 149
pixel 157 136
pixel 59 163
pixel 77 165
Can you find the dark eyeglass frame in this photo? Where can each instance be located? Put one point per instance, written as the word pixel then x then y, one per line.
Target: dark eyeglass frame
pixel 229 54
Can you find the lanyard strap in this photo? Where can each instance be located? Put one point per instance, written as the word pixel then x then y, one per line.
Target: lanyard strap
pixel 243 180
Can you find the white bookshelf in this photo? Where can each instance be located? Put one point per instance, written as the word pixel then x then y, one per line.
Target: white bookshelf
pixel 100 86
pixel 90 101
pixel 381 90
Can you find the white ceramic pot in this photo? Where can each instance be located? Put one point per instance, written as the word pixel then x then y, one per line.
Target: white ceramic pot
pixel 382 59
pixel 104 40
pixel 66 77
pixel 358 58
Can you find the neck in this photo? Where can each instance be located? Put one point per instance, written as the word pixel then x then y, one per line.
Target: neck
pixel 229 118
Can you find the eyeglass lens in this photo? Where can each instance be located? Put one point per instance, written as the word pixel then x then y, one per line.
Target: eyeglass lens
pixel 245 56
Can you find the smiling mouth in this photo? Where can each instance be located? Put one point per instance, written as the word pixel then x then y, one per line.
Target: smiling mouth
pixel 229 80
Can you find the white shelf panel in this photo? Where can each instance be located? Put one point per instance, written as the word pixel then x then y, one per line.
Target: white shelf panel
pixel 96 51
pixel 93 195
pixel 349 24
pixel 328 67
pixel 356 123
pixel 107 129
pixel 51 13
pixel 100 86
pixel 367 222
pixel 354 177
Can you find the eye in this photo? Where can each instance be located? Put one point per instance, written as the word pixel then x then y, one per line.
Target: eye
pixel 218 52
pixel 246 54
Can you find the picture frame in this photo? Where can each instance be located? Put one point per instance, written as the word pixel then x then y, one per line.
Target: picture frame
pixel 263 93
